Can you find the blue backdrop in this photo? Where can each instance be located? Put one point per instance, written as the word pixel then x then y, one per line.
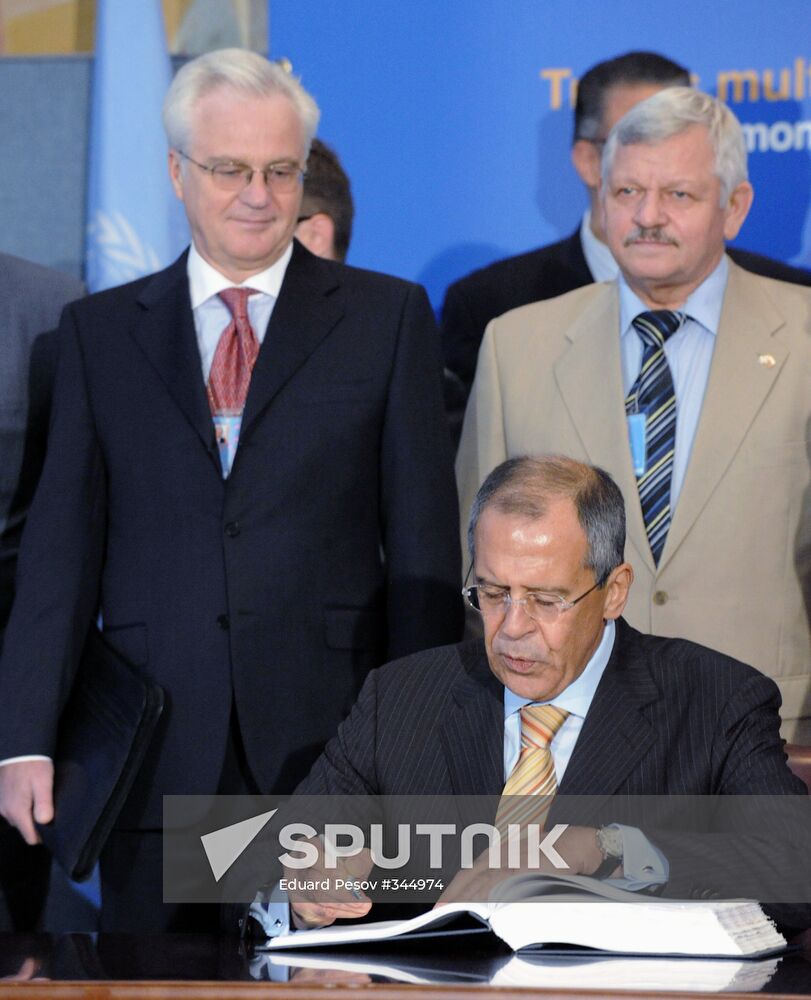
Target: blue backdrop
pixel 449 130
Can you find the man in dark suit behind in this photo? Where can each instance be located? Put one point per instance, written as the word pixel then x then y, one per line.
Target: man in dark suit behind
pixel 327 208
pixel 604 94
pixel 31 298
pixel 259 573
pixel 642 715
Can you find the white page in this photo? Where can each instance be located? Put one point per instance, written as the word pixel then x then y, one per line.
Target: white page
pixel 380 930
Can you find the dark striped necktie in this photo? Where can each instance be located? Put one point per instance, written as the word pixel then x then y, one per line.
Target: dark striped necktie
pixel 654 395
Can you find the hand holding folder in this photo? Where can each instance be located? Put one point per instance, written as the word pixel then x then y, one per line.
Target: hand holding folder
pixel 104 732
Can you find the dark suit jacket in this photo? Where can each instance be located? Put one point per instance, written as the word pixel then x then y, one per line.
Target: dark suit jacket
pixel 473 301
pixel 331 546
pixel 31 299
pixel 669 718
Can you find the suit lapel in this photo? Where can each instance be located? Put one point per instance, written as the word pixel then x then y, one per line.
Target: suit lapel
pixel 616 733
pixel 309 306
pixel 737 388
pixel 165 333
pixel 472 735
pixel 591 370
pixel 472 739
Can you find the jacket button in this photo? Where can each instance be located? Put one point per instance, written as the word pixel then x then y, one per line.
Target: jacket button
pixel 224 622
pixel 232 529
pixel 660 597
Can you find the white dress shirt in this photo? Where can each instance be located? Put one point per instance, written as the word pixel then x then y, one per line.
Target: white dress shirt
pixel 599 258
pixel 211 314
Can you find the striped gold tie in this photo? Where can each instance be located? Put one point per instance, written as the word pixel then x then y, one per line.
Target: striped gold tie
pixel 531 786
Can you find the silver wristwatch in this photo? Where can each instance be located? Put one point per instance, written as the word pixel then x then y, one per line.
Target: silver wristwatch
pixel 609 840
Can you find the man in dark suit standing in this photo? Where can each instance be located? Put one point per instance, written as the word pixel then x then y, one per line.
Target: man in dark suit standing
pixel 605 92
pixel 31 298
pixel 626 714
pixel 248 477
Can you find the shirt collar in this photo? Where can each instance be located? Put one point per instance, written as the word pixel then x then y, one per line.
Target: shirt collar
pixel 703 305
pixel 577 697
pixel 206 281
pixel 599 258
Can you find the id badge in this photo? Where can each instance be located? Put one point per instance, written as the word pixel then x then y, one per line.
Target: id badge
pixel 636 438
pixel 226 429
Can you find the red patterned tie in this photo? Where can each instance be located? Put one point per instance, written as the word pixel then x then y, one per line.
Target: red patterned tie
pixel 235 356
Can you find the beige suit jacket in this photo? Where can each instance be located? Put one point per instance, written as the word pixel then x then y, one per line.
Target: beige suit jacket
pixel 735 573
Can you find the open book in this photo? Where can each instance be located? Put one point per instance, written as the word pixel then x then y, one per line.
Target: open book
pixel 535 911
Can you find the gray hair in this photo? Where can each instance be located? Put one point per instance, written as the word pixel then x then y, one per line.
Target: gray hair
pixel 526 486
pixel 673 111
pixel 242 71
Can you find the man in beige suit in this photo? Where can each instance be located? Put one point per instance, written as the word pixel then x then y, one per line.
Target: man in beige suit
pixel 722 550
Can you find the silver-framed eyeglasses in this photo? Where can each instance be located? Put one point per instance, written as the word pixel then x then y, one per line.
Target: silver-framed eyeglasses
pixel 492 601
pixel 281 176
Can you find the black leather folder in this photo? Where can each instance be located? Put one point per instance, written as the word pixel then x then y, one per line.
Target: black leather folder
pixel 104 732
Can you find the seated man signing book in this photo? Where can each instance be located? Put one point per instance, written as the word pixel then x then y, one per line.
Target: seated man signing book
pixel 561 697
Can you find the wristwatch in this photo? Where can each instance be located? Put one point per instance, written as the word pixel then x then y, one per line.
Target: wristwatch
pixel 609 840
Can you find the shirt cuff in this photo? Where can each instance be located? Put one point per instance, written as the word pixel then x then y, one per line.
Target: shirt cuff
pixel 271 911
pixel 643 864
pixel 25 757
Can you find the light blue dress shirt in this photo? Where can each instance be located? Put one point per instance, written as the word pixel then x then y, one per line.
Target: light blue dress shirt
pixel 689 354
pixel 644 865
pixel 575 700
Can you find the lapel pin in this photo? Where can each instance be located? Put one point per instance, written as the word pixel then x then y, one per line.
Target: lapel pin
pixel 767 360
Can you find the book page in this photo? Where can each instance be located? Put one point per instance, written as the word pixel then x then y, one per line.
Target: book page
pixel 652 927
pixel 383 930
pixel 532 885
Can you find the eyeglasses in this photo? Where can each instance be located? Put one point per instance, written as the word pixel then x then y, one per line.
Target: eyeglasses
pixel 493 602
pixel 282 176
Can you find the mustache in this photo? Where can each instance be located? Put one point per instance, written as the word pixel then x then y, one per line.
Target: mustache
pixel 656 233
pixel 514 652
